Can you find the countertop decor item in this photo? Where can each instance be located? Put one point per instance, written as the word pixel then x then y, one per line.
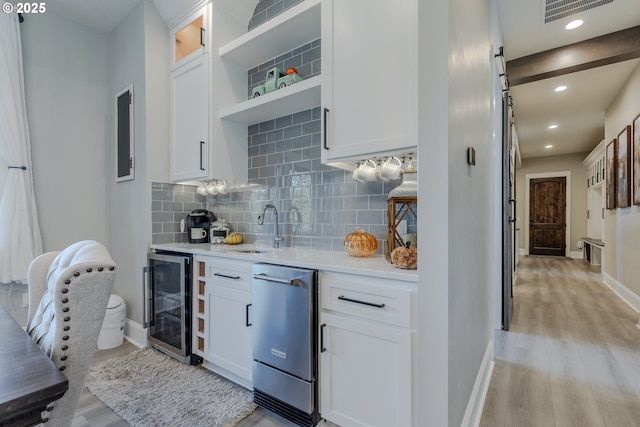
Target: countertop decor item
pixel 402 210
pixel 409 185
pixel 360 243
pixel 405 257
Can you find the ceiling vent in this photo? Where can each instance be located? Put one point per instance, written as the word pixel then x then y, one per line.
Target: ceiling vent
pixel 558 9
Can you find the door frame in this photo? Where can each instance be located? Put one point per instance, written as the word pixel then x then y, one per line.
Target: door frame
pixel 528 178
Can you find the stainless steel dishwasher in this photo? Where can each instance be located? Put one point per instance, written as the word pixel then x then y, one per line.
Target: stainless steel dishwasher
pixel 285 349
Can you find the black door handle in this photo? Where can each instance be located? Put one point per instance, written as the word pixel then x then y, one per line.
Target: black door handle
pixel 322 347
pixel 326 113
pixel 201 147
pixel 246 315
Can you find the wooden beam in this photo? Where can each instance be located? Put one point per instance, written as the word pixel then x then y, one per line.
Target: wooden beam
pixel 604 50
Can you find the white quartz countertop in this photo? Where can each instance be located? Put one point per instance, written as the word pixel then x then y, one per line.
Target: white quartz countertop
pixel 375 265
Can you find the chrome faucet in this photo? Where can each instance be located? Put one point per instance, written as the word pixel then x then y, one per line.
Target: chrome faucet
pixel 277 238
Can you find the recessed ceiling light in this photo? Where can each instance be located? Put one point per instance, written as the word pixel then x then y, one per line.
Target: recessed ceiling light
pixel 548 146
pixel 553 126
pixel 574 24
pixel 560 88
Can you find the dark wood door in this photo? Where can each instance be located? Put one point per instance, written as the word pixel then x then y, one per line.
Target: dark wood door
pixel 547 216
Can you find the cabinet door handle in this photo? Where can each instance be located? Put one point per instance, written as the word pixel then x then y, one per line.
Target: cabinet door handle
pixel 322 347
pixel 201 149
pixel 226 276
pixel 201 36
pixel 326 113
pixel 372 304
pixel 246 315
pixel 147 298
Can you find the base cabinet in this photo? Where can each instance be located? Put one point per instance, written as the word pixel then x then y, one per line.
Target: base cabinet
pixel 229 334
pixel 223 317
pixel 365 376
pixel 365 343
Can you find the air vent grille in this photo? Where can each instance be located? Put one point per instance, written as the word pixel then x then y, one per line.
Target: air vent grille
pixel 558 9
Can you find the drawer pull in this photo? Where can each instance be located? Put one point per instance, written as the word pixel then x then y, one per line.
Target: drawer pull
pixel 246 315
pixel 226 276
pixel 371 304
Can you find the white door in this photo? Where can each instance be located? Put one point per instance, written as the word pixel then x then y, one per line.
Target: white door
pixel 369 61
pixel 229 332
pixel 190 120
pixel 365 373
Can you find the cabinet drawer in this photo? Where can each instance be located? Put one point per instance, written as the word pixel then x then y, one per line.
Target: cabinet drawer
pixel 366 297
pixel 228 272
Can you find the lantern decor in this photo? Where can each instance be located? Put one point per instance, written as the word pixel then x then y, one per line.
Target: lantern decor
pixel 402 204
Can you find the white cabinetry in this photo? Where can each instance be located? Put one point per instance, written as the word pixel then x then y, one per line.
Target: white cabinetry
pixel 227 307
pixel 596 197
pixel 365 351
pixel 370 77
pixel 201 146
pixel 189 112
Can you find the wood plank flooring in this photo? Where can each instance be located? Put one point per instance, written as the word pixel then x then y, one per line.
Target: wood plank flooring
pixel 572 357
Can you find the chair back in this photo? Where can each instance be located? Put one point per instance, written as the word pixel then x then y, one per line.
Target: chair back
pixel 70 291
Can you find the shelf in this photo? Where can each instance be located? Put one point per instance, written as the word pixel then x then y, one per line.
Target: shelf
pixel 291 99
pixel 287 31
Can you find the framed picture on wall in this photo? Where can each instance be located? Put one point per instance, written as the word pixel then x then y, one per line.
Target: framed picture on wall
pixel 623 168
pixel 636 160
pixel 611 175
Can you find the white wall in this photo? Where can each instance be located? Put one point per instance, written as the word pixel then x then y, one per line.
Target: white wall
pixel 622 226
pixel 456 204
pixel 471 206
pixel 139 55
pixel 65 68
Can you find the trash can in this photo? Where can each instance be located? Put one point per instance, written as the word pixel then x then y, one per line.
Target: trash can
pixel 112 332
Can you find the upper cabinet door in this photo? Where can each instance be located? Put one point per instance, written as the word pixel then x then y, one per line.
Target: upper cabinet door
pixel 190 120
pixel 370 77
pixel 190 37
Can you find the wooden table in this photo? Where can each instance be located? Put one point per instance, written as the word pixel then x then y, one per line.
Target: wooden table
pixel 29 380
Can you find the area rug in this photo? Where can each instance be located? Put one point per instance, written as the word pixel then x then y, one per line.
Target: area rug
pixel 148 388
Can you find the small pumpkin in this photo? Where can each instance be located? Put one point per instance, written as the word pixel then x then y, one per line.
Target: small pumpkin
pixel 233 239
pixel 360 243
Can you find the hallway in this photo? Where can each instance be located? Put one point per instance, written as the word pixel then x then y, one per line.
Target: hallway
pixel 572 357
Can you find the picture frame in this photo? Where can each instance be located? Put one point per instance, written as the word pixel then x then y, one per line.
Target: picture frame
pixel 611 175
pixel 124 135
pixel 636 160
pixel 623 168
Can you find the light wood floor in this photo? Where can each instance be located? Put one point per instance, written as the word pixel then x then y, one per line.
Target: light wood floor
pixel 572 356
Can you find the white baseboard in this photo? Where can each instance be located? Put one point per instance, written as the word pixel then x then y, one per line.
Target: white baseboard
pixel 625 294
pixel 473 414
pixel 135 333
pixel 575 254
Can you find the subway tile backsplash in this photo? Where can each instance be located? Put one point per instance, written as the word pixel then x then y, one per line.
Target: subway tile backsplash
pixel 318 205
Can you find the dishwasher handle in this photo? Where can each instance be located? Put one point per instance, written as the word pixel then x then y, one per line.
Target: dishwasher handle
pixel 264 276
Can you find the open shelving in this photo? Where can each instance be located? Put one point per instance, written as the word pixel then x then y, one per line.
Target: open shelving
pixel 287 31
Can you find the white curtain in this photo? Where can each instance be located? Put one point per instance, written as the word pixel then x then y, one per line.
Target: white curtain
pixel 20 240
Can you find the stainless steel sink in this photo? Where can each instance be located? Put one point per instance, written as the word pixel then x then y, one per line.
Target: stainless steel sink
pixel 250 251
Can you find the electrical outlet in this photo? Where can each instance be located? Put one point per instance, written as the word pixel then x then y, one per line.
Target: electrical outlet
pixel 25 300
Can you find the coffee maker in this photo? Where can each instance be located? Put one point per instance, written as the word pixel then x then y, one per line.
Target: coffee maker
pixel 198 225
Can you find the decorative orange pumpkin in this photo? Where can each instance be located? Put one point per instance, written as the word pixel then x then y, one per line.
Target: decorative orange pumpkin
pixel 360 243
pixel 291 70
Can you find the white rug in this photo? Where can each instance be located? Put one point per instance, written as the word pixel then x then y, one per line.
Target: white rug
pixel 148 388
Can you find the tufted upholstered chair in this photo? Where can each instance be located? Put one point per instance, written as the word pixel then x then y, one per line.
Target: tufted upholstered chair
pixel 68 295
